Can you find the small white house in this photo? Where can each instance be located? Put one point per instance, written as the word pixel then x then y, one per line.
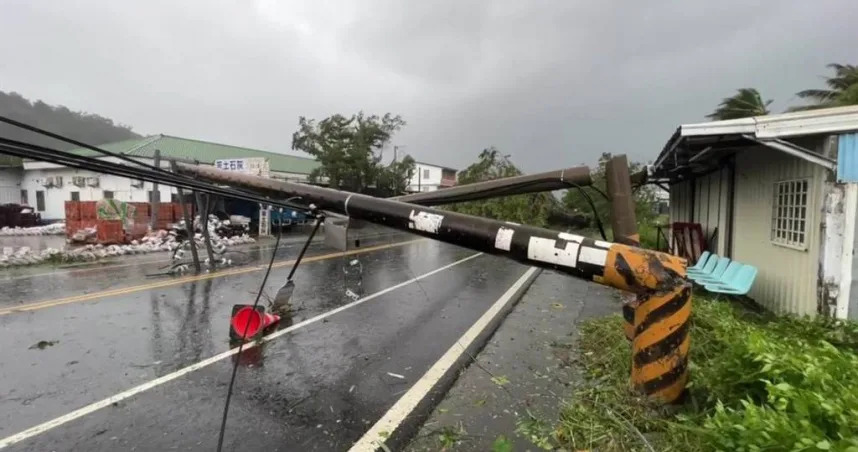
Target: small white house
pixel 779 192
pixel 47 186
pixel 429 177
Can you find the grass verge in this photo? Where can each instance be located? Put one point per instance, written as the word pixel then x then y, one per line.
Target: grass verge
pixel 757 383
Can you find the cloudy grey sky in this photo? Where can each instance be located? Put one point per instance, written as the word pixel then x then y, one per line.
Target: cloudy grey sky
pixel 553 83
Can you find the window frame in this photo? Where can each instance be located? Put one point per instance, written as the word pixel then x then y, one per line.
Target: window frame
pixel 790 206
pixel 41 201
pixel 73 195
pixel 105 192
pixel 427 174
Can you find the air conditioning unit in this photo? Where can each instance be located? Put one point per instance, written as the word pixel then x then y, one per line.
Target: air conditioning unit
pixel 58 181
pixel 92 181
pixel 48 181
pixel 80 181
pixel 136 183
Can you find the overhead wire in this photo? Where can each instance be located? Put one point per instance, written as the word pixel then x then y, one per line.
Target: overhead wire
pixel 35 152
pixel 243 334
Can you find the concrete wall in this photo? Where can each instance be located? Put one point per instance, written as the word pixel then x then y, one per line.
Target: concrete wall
pixel 788 277
pixel 10 185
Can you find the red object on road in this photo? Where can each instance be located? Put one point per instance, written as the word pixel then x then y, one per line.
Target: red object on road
pixel 251 322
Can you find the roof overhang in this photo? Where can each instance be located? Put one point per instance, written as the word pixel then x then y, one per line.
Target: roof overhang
pixel 698 148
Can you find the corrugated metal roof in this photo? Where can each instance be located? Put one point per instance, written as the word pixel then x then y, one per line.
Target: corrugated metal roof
pixel 201 151
pixel 690 139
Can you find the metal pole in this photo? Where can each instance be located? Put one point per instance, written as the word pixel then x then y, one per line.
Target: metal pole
pixel 155 198
pixel 203 208
pixel 189 222
pixel 658 278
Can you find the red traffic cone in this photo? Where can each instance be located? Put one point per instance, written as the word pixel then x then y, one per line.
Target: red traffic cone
pixel 249 321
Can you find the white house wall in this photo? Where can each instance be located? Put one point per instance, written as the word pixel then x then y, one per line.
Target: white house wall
pixel 55 197
pixel 787 278
pixel 420 183
pixel 10 185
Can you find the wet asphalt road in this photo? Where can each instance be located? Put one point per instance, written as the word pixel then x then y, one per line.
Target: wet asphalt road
pixel 317 388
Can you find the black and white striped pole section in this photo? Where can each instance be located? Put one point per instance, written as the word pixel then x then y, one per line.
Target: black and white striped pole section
pixel 660 361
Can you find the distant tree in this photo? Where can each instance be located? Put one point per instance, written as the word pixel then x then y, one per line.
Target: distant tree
pixel 746 102
pixel 393 179
pixel 345 147
pixel 81 126
pixel 533 209
pixel 841 89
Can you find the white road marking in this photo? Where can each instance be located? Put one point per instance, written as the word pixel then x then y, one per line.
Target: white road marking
pixel 403 408
pixel 81 412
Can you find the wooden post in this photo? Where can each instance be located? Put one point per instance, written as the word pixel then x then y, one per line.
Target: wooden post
pixel 153 200
pixel 189 221
pixel 203 208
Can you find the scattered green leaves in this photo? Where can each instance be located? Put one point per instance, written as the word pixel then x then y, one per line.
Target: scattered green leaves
pixel 502 444
pixel 500 380
pixel 41 345
pixel 759 382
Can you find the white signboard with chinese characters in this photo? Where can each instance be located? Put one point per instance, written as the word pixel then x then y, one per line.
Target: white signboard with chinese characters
pixel 256 166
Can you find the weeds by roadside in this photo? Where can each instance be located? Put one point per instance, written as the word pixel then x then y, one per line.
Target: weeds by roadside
pixel 757 383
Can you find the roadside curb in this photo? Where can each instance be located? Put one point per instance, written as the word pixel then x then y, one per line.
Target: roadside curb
pixel 396 428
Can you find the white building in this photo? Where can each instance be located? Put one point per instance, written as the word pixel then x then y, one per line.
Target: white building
pixel 47 186
pixel 429 177
pixel 779 192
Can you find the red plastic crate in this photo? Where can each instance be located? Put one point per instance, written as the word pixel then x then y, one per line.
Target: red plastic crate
pixel 72 211
pixel 110 232
pixel 141 209
pixel 165 212
pixel 88 210
pixel 72 226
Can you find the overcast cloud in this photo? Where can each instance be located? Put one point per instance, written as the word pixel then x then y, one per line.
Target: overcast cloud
pixel 553 83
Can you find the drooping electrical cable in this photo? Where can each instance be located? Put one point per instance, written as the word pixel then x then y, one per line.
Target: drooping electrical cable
pixel 30 151
pixel 243 333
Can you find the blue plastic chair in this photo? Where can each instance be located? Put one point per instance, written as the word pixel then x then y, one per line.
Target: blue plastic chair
pixel 741 284
pixel 721 265
pixel 701 261
pixel 707 268
pixel 725 278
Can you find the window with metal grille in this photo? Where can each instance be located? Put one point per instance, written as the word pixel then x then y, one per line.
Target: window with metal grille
pixel 789 213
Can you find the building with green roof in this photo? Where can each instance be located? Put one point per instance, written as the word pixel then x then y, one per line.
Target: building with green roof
pixel 46 186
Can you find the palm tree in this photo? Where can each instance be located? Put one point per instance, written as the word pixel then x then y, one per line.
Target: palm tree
pixel 746 102
pixel 841 89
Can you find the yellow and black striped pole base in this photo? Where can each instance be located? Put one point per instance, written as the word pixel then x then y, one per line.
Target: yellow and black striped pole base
pixel 661 342
pixel 660 317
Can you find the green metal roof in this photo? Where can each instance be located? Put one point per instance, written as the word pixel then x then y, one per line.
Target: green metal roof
pixel 201 151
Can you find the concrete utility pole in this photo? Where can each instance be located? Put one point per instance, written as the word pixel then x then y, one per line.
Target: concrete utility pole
pixel 661 341
pixel 154 200
pixel 203 208
pixel 651 320
pixel 516 185
pixel 623 222
pixel 189 221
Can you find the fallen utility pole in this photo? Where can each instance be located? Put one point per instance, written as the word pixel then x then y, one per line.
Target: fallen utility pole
pixel 578 176
pixel 657 277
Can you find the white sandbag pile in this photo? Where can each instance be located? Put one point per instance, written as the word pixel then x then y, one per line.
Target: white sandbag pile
pixel 51 229
pixel 153 242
